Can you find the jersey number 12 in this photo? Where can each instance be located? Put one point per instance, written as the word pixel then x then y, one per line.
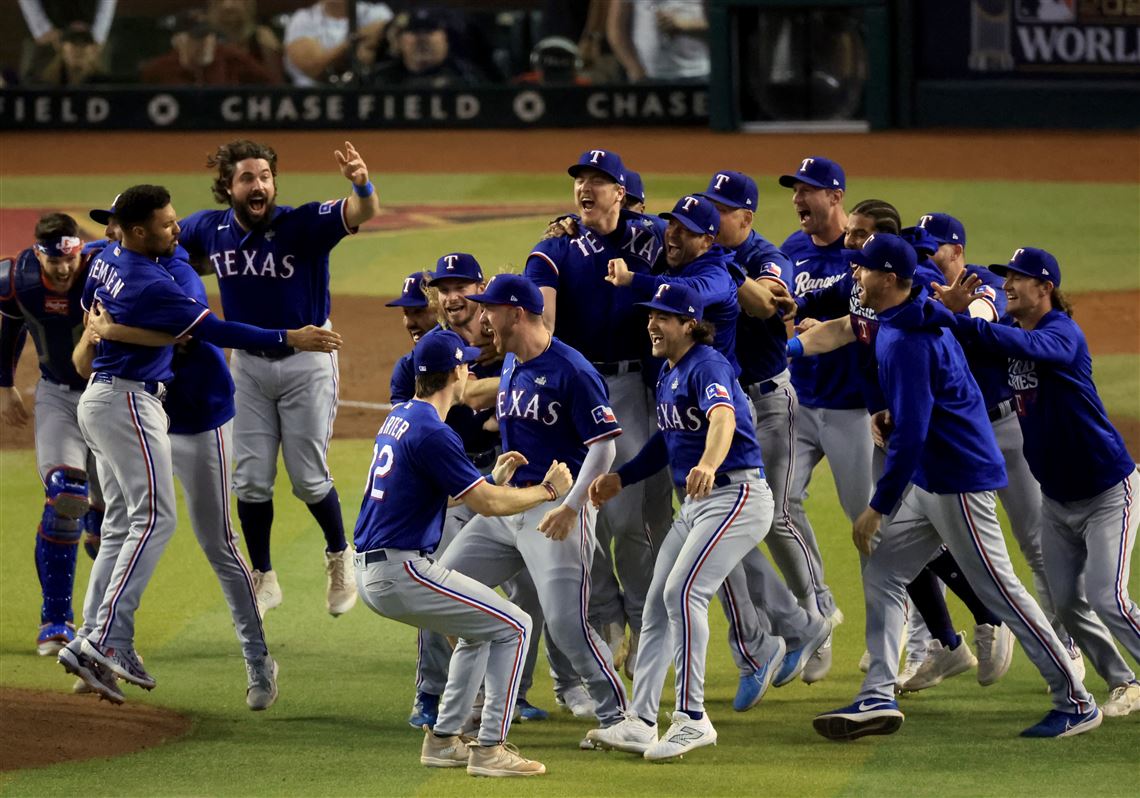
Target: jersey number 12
pixel 383 460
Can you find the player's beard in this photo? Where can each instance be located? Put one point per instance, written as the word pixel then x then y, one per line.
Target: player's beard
pixel 245 216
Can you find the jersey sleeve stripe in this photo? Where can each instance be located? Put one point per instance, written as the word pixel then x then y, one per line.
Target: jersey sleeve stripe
pixel 609 434
pixel 205 312
pixel 344 217
pixel 470 487
pixel 546 258
pixel 773 278
pixel 729 405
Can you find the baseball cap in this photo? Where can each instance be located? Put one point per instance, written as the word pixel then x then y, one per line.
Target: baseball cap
pixel 921 239
pixel 734 189
pixel 817 171
pixel 606 162
pixel 633 186
pixel 457 264
pixel 511 289
pixel 442 350
pixel 943 228
pixel 103 216
pixel 412 294
pixel 678 299
pixel 695 213
pixel 1032 262
pixel 885 252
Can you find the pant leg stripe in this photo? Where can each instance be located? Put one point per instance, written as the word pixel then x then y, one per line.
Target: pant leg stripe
pixel 686 590
pixel 332 412
pixel 228 529
pixel 1122 600
pixel 604 663
pixel 975 536
pixel 151 516
pixel 520 648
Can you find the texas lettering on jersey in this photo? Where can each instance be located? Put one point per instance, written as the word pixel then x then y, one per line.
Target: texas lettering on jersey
pixel 227 263
pixel 525 404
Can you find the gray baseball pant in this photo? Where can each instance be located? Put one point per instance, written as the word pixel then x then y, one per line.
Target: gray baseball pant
pixel 706 542
pixel 967 523
pixel 493 634
pixel 59 442
pixel 1088 546
pixel 116 524
pixel 492 550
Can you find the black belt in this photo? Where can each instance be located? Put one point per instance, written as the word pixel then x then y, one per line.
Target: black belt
pixel 484 459
pixel 379 555
pixel 1000 410
pixel 735 476
pixel 765 387
pixel 153 387
pixel 273 354
pixel 619 367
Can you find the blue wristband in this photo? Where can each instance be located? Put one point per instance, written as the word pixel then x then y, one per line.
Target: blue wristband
pixel 489 479
pixel 363 191
pixel 795 347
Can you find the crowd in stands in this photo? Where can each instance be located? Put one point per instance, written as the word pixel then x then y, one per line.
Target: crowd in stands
pixel 391 45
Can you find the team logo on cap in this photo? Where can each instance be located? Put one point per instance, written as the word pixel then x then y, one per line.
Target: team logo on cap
pixel 1017 254
pixel 690 202
pixel 596 154
pixel 807 162
pixel 409 283
pixel 451 259
pixel 721 180
pixel 662 290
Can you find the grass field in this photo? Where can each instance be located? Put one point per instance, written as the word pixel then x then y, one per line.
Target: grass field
pixel 346 684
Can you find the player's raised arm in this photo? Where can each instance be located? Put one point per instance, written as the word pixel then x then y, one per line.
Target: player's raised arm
pixel 364 203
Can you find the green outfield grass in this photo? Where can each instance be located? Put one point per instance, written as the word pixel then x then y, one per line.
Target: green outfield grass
pixel 346 685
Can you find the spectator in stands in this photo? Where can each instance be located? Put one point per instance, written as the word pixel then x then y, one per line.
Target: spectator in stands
pixel 422 55
pixel 47 28
pixel 236 24
pixel 660 39
pixel 79 60
pixel 554 61
pixel 584 22
pixel 197 58
pixel 317 44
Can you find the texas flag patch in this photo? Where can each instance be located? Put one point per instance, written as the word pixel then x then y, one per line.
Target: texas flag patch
pixel 770 269
pixel 604 415
pixel 986 292
pixel 717 391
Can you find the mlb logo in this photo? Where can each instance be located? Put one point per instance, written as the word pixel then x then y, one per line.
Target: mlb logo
pixel 604 415
pixel 326 207
pixel 717 391
pixel 1046 10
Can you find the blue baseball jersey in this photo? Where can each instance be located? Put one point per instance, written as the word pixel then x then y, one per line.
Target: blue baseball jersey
pixel 593 316
pixel 761 344
pixel 276 276
pixel 138 292
pixel 551 408
pixel 403 382
pixel 417 463
pixel 830 380
pixel 942 440
pixel 53 319
pixel 709 276
pixel 1072 448
pixel 989 367
pixel 701 381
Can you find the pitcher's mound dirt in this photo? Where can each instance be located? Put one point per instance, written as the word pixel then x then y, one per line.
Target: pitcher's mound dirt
pixel 42 728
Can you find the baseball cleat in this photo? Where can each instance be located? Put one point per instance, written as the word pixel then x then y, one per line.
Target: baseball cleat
pixel 526 711
pixel 910 668
pixel 425 711
pixel 1123 699
pixel 753 685
pixel 341 594
pixel 443 752
pixel 97 678
pixel 994 645
pixel 267 591
pixel 577 700
pixel 1065 724
pixel 683 736
pixel 501 760
pixel 941 663
pixel 53 637
pixel 261 687
pixel 796 660
pixel 863 718
pixel 818 664
pixel 123 662
pixel 630 734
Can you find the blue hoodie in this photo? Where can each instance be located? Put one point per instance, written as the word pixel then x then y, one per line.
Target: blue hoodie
pixel 1072 448
pixel 942 441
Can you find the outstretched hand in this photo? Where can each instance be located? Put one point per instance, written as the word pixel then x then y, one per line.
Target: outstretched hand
pixel 313 339
pixel 351 164
pixel 958 296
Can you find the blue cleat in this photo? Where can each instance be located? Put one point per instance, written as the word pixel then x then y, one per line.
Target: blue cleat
pixel 869 716
pixel 53 637
pixel 797 658
pixel 754 685
pixel 424 712
pixel 524 711
pixel 1065 724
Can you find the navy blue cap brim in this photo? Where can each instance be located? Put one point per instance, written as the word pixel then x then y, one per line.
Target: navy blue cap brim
pixel 435 277
pixel 1002 269
pixel 407 302
pixel 789 181
pixel 471 354
pixel 661 306
pixel 855 257
pixel 721 200
pixel 578 167
pixel 686 222
pixel 100 216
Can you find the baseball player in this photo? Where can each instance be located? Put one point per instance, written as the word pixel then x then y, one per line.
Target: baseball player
pixel 1088 479
pixel 942 468
pixel 272 264
pixel 706 437
pixel 122 418
pixel 39 294
pixel 599 320
pixel 551 405
pixel 417 463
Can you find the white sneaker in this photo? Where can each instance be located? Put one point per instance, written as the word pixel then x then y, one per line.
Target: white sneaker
pixel 614 635
pixel 1123 699
pixel 341 573
pixel 910 668
pixel 631 657
pixel 577 700
pixel 941 663
pixel 261 683
pixel 865 661
pixel 994 645
pixel 684 735
pixel 630 734
pixel 501 760
pixel 267 591
pixel 444 752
